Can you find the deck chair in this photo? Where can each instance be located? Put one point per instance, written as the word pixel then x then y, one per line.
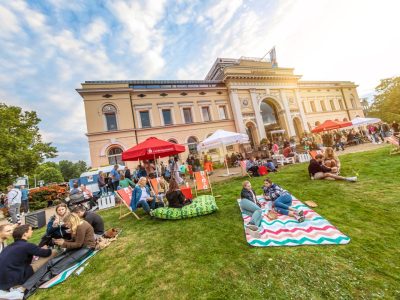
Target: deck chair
pixel 125 196
pixel 262 170
pixel 244 169
pixel 313 153
pixel 154 187
pixel 202 182
pixel 395 142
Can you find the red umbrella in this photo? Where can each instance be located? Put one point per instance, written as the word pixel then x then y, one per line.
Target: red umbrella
pixel 152 148
pixel 331 125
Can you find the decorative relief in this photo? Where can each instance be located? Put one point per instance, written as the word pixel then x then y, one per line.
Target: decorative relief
pixel 244 101
pixel 291 100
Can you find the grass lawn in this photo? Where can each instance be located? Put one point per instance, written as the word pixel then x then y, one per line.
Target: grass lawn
pixel 209 258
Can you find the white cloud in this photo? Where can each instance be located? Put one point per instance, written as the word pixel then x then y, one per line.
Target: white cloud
pixel 10 25
pixel 220 14
pixel 95 31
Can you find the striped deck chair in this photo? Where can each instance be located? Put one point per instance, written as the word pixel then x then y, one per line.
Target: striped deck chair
pixel 244 169
pixel 395 141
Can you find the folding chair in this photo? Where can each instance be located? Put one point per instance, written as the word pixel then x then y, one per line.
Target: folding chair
pixel 187 192
pixel 154 186
pixel 202 182
pixel 125 196
pixel 395 142
pixel 262 170
pixel 244 169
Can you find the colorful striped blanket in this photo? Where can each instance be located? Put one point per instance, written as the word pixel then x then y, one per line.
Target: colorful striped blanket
pixel 286 231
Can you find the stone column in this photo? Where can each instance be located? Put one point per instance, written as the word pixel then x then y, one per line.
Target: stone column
pixel 257 112
pixel 302 114
pixel 287 113
pixel 237 113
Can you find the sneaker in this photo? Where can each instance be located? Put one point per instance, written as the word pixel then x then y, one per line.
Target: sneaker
pixel 299 219
pixel 252 227
pixel 300 213
pixel 352 179
pixel 12 294
pixel 253 233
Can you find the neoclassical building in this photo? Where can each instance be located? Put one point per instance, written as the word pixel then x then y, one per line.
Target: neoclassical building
pixel 248 95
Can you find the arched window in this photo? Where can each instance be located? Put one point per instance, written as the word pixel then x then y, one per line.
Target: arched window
pixel 110 116
pixel 114 155
pixel 192 144
pixel 173 141
pixel 268 113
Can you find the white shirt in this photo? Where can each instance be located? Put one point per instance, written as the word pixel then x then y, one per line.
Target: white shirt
pixel 14 196
pixel 144 195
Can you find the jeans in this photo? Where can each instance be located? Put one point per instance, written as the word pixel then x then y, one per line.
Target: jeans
pixel 115 185
pixel 145 205
pixel 282 204
pixel 253 210
pixel 13 210
pixel 270 166
pixel 25 205
pixel 103 190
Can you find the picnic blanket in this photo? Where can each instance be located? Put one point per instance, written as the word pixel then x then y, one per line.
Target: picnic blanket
pixel 286 231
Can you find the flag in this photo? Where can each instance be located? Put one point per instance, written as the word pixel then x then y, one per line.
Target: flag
pixel 272 56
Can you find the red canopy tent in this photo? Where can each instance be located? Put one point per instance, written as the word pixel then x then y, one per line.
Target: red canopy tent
pixel 331 125
pixel 152 148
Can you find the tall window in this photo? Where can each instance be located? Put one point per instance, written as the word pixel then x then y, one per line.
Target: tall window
pixel 115 156
pixel 341 104
pixel 222 112
pixel 167 116
pixel 187 115
pixel 110 115
pixel 145 119
pixel 323 107
pixel 192 144
pixel 312 103
pixel 304 107
pixel 206 113
pixel 332 103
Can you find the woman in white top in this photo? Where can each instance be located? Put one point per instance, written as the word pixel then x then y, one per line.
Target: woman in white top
pixel 6 231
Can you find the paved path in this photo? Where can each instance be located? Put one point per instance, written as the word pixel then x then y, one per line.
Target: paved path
pixel 216 176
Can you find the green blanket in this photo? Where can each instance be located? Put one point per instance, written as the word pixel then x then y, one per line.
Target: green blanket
pixel 201 205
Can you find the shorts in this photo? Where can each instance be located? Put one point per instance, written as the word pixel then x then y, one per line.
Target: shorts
pixel 319 175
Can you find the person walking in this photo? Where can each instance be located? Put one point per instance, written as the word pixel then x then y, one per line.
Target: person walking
pixel 14 203
pixel 115 176
pixel 25 199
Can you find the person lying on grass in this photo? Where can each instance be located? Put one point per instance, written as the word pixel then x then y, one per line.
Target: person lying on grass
pixel 174 195
pixel 282 200
pixel 251 207
pixel 318 171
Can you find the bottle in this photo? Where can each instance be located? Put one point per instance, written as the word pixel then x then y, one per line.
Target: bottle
pixel 79 271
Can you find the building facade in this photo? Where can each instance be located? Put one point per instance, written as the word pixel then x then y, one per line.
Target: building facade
pixel 247 95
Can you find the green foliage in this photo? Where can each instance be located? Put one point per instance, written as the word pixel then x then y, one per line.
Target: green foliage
pixel 71 170
pixel 386 105
pixel 39 197
pixel 50 174
pixel 208 257
pixel 21 146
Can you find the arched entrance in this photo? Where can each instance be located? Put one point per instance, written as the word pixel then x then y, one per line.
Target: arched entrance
pixel 252 133
pixel 269 108
pixel 297 127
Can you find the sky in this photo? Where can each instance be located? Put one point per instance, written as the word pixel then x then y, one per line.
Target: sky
pixel 49 47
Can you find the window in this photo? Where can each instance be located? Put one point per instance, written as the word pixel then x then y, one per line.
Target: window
pixel 312 103
pixel 145 119
pixel 167 116
pixel 192 144
pixel 353 103
pixel 115 156
pixel 341 104
pixel 323 107
pixel 332 103
pixel 110 115
pixel 206 114
pixel 304 107
pixel 187 115
pixel 222 112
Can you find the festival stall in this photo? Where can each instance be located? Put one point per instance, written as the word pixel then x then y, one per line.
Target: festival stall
pixel 331 125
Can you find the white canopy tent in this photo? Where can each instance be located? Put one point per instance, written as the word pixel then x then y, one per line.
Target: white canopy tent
pixel 364 121
pixel 222 138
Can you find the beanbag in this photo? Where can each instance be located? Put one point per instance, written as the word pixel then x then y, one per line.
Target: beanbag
pixel 201 205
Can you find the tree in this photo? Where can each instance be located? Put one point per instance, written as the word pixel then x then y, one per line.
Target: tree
pixel 386 105
pixel 50 174
pixel 71 170
pixel 21 146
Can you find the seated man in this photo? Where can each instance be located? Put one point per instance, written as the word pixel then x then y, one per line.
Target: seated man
pixel 16 264
pixel 141 197
pixel 318 171
pixel 75 189
pixel 251 166
pixel 92 218
pixel 270 166
pixel 287 152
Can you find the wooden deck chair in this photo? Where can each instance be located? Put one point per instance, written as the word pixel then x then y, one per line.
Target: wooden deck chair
pixel 313 153
pixel 202 182
pixel 125 196
pixel 243 167
pixel 395 142
pixel 154 187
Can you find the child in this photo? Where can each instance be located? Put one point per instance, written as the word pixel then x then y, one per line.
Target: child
pixel 282 200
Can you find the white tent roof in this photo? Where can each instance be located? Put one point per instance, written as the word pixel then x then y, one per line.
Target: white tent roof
pixel 106 169
pixel 364 121
pixel 223 138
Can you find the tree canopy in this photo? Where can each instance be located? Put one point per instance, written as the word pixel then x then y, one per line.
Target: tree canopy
pixel 50 174
pixel 386 105
pixel 71 170
pixel 21 147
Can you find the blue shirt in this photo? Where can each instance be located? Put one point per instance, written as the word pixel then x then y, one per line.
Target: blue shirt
pixel 115 175
pixel 25 194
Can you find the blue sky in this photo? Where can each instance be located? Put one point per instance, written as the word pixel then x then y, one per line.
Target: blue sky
pixel 49 47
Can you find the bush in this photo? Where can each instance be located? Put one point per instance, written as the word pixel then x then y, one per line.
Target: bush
pixel 40 197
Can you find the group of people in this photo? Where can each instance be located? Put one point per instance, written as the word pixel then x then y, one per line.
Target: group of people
pixel 16 201
pixel 70 236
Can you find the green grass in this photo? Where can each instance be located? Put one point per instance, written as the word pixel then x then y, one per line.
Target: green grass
pixel 209 258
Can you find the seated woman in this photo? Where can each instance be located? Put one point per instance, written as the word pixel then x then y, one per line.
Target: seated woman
pixel 270 166
pixel 6 231
pixel 331 160
pixel 141 197
pixel 125 182
pixel 251 166
pixel 175 197
pixel 56 228
pixel 251 207
pixel 162 187
pixel 282 200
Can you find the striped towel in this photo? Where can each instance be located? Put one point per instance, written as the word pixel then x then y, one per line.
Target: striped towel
pixel 286 231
